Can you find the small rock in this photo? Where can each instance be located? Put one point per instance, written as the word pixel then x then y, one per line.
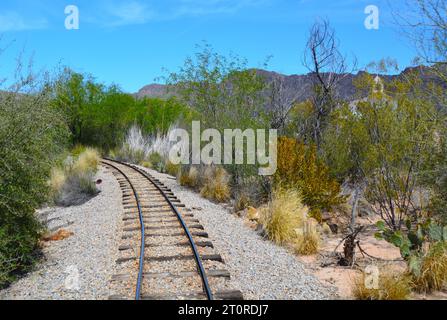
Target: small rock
pixel 58 236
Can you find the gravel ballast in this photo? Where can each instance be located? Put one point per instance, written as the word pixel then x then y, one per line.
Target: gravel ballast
pixel 90 252
pixel 261 269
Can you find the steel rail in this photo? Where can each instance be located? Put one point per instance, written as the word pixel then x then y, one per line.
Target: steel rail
pixel 143 242
pixel 201 269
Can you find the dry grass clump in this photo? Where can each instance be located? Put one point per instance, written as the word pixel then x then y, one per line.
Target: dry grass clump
pixel 87 161
pixel 391 286
pixel 189 177
pixel 74 184
pixel 146 164
pixel 283 215
pixel 172 169
pixel 216 184
pixel 433 270
pixel 57 180
pixel 307 239
pixel 241 202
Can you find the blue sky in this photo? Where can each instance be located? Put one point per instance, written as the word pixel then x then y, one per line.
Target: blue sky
pixel 129 42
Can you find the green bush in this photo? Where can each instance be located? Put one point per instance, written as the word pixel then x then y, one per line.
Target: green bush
pixel 32 135
pixel 100 115
pixel 157 161
pixel 18 244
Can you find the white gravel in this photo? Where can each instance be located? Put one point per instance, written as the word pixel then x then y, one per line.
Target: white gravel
pixel 90 252
pixel 261 269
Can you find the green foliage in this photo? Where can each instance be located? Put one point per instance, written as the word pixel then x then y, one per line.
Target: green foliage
pixel 385 140
pixel 100 116
pixel 299 167
pixel 411 239
pixel 77 150
pixel 157 161
pixel 434 174
pixel 428 268
pixel 222 91
pixel 32 135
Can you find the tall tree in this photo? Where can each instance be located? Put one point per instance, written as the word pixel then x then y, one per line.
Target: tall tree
pixel 328 66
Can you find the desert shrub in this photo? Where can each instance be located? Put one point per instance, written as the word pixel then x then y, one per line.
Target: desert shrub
pixel 100 115
pixel 127 154
pixel 189 177
pixel 216 184
pixel 78 188
pixel 392 286
pixel 250 191
pixel 157 161
pixel 18 246
pixel 135 147
pixel 432 274
pixel 172 169
pixel 242 201
pixel 423 245
pixel 32 135
pixel 77 150
pixel 57 180
pixel 299 167
pixel 146 164
pixel 88 160
pixel 307 239
pixel 283 215
pixel 75 183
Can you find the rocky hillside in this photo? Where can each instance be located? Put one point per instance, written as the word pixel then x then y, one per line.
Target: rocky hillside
pixel 295 87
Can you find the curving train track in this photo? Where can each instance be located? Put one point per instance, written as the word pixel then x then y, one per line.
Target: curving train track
pixel 164 252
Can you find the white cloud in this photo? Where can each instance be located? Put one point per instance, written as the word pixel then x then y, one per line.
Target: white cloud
pixel 137 12
pixel 12 21
pixel 129 13
pixel 207 7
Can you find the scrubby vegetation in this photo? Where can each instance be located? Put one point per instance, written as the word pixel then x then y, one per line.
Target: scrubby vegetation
pixel 216 184
pixel 32 135
pixel 308 239
pixel 300 168
pixel 431 273
pixel 391 286
pixel 74 183
pixel 101 116
pixel 286 220
pixel 283 215
pixel 388 149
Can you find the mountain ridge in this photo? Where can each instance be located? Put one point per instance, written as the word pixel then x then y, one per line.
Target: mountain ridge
pixel 296 87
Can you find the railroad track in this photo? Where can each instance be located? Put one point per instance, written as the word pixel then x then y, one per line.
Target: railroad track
pixel 164 252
